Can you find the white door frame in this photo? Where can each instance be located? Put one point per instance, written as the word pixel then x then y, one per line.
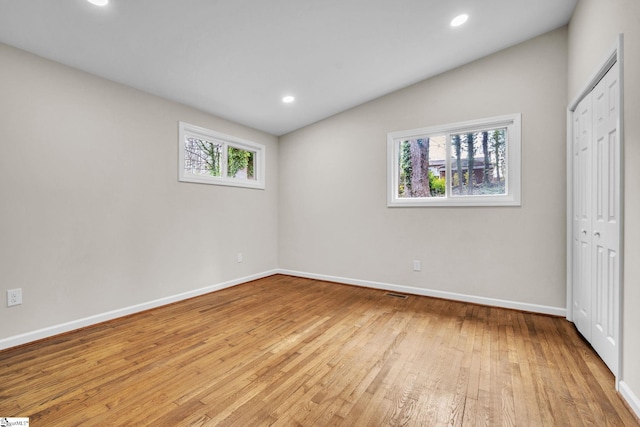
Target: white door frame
pixel 615 54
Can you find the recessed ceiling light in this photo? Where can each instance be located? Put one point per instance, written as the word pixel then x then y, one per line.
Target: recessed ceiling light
pixel 288 99
pixel 459 20
pixel 99 2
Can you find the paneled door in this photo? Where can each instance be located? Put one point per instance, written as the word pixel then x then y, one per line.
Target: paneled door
pixel 596 217
pixel 582 208
pixel 606 219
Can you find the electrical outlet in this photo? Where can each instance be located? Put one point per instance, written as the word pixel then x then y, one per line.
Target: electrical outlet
pixel 14 297
pixel 416 265
pixel 239 256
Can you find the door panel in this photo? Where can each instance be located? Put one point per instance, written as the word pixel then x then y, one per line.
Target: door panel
pixel 582 125
pixel 606 221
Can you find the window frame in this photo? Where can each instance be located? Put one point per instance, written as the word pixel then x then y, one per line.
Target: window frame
pixel 511 122
pixel 188 130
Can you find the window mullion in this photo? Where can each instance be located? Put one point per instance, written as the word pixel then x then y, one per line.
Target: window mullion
pixel 224 167
pixel 448 167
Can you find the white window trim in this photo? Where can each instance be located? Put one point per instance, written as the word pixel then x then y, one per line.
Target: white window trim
pixel 186 129
pixel 511 122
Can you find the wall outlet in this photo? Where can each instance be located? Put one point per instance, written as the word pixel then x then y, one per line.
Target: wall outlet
pixel 416 265
pixel 239 257
pixel 14 297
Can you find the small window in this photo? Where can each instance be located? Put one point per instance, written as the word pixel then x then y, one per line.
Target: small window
pixel 210 157
pixel 473 163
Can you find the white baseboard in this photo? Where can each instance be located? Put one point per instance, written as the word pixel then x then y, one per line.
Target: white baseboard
pixel 515 305
pixel 630 397
pixel 103 317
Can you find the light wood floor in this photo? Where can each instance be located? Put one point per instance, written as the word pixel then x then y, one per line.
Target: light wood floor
pixel 290 351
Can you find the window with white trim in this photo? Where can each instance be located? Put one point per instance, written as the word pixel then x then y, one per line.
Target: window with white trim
pixel 475 163
pixel 210 157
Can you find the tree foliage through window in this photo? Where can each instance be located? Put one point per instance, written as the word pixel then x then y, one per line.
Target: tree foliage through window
pixel 202 157
pixel 477 159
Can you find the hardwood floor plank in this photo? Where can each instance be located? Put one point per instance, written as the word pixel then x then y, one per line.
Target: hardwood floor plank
pixel 288 351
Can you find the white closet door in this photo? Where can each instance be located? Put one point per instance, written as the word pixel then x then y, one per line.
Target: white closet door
pixel 596 217
pixel 606 219
pixel 582 208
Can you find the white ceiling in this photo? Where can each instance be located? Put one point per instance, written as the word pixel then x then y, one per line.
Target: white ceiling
pixel 238 58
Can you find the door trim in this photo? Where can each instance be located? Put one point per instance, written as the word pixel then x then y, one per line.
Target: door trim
pixel 615 54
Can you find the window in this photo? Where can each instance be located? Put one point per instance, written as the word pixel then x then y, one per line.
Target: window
pixel 474 163
pixel 211 157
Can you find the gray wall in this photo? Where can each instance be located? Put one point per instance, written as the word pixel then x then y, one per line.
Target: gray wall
pixel 593 30
pixel 92 216
pixel 333 215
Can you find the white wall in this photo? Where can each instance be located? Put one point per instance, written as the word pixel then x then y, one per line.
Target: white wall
pixel 333 215
pixel 92 216
pixel 593 30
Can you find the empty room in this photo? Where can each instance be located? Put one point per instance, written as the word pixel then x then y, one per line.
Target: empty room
pixel 314 213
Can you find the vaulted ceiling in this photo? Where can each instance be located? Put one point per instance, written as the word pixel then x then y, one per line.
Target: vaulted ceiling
pixel 238 58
